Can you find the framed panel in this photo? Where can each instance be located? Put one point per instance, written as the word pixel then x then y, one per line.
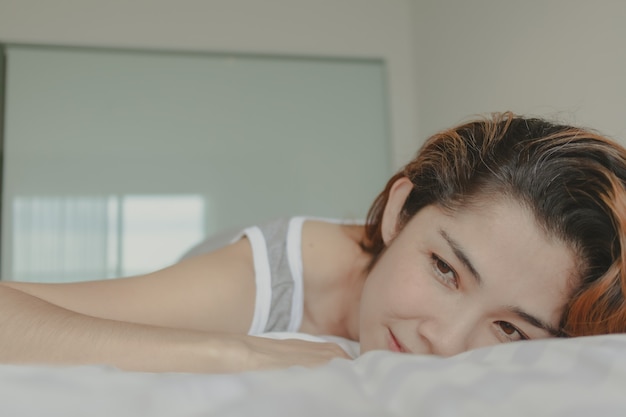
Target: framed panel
pixel 241 138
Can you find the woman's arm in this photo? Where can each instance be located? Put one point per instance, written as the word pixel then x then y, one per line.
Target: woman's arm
pixel 212 292
pixel 190 317
pixel 34 331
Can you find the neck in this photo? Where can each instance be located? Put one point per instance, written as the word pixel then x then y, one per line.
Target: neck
pixel 353 312
pixel 335 271
pixel 349 289
pixel 351 286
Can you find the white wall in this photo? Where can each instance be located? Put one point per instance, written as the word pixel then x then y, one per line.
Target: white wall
pixel 447 59
pixel 558 58
pixel 347 28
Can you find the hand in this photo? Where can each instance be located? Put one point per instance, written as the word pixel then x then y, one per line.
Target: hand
pixel 262 353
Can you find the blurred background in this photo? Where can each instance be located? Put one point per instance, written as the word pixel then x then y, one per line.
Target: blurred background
pixel 131 130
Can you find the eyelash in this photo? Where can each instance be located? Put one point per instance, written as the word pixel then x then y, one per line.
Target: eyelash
pixel 442 269
pixel 438 265
pixel 502 324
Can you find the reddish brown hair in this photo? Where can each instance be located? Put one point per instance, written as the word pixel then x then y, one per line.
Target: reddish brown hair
pixel 572 179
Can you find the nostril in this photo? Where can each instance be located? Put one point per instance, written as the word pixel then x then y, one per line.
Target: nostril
pixel 447 339
pixel 443 346
pixel 426 344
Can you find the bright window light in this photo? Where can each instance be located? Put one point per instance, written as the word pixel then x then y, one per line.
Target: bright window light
pixel 62 239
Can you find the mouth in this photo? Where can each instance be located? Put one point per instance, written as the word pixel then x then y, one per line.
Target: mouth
pixel 394 345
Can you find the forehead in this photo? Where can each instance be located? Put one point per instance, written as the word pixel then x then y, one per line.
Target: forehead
pixel 518 262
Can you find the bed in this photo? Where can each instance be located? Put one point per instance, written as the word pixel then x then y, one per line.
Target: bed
pixel 557 377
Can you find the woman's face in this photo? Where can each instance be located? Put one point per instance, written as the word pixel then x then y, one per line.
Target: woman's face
pixel 450 282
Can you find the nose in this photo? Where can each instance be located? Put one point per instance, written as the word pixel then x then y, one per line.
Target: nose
pixel 447 338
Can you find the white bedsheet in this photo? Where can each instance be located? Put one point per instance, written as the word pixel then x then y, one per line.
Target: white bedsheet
pixel 575 377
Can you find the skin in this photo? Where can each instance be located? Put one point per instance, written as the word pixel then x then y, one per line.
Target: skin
pixel 194 315
pixel 454 281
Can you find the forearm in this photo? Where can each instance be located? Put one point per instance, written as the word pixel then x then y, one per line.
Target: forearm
pixel 34 331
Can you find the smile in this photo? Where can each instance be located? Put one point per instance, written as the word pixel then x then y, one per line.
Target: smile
pixel 393 343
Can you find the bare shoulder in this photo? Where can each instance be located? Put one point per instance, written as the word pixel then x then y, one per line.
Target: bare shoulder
pixel 329 250
pixel 209 292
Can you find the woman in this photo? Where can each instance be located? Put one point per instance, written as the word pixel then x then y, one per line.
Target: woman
pixel 501 229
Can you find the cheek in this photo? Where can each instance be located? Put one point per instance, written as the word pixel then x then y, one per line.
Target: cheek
pixel 397 288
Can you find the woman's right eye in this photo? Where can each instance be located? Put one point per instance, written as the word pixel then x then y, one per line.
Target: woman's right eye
pixel 444 271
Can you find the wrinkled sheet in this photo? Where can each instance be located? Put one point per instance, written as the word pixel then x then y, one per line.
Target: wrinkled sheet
pixel 575 377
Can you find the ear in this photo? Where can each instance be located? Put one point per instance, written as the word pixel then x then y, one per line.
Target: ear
pixel 397 196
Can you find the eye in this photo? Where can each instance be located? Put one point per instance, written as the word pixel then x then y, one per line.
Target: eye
pixel 510 332
pixel 444 271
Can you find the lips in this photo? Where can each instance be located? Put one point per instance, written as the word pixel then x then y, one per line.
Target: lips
pixel 394 345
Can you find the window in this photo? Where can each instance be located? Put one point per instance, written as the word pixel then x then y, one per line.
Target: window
pixel 64 239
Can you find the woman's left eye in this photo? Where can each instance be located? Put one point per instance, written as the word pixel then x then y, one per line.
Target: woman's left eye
pixel 510 332
pixel 444 271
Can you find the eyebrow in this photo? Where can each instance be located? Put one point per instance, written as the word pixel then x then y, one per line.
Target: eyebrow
pixel 460 254
pixel 527 317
